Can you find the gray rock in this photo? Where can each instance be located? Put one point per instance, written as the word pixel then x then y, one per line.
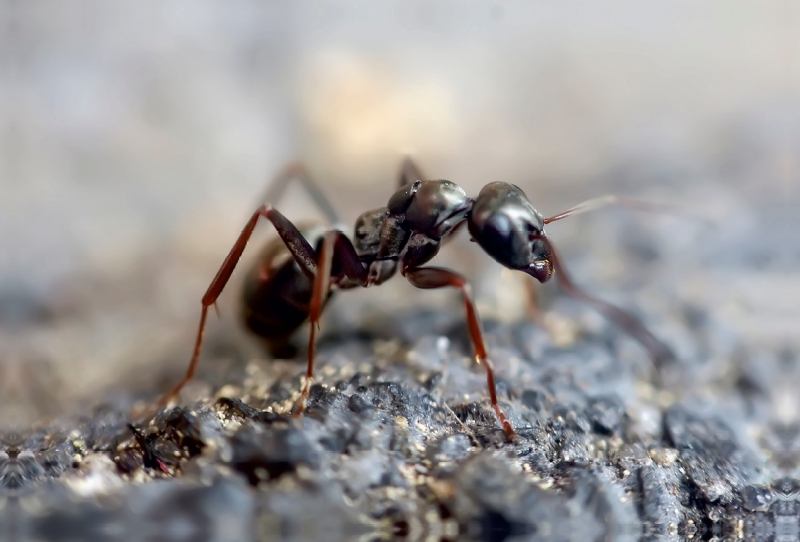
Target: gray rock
pixel 220 511
pixel 714 461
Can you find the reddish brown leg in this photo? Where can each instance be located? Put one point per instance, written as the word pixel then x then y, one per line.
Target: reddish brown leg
pixel 297 245
pixel 346 260
pixel 319 293
pixel 437 277
pixel 658 351
pixel 335 243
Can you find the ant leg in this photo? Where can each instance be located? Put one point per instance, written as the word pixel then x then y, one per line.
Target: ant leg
pixel 296 170
pixel 658 351
pixel 348 259
pixel 409 172
pixel 334 243
pixel 319 293
pixel 437 277
pixel 300 249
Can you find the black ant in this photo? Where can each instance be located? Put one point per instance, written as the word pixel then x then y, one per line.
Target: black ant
pixel 292 280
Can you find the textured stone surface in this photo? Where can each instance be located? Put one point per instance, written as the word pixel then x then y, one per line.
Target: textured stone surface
pixel 399 439
pixel 138 142
pixel 393 446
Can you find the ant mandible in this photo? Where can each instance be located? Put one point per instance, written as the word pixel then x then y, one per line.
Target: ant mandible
pixel 292 280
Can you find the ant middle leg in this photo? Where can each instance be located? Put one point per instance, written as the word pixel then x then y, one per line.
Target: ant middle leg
pixel 300 249
pixel 350 269
pixel 438 277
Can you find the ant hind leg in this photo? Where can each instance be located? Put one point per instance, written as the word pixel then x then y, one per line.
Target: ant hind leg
pixel 298 171
pixel 300 249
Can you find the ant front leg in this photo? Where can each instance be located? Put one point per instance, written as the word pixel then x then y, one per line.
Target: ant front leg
pixel 335 243
pixel 300 249
pixel 437 277
pixel 659 352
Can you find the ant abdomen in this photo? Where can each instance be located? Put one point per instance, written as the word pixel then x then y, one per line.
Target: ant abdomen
pixel 275 297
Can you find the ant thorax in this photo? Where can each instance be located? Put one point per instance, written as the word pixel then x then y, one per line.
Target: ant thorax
pixel 367 232
pixel 433 208
pixel 409 229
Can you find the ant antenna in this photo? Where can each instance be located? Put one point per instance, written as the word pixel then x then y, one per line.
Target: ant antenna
pixel 611 199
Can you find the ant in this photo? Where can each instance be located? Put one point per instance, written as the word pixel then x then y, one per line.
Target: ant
pixel 292 280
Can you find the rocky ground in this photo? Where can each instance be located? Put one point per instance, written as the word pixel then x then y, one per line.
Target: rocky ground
pixel 137 140
pixel 399 440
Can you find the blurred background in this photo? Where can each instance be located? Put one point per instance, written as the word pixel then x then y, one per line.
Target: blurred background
pixel 138 137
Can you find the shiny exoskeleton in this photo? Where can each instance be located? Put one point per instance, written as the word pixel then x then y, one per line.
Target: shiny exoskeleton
pixel 292 279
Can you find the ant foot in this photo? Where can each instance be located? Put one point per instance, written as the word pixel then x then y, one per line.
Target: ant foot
pixel 505 424
pixel 300 406
pixel 168 400
pixel 509 431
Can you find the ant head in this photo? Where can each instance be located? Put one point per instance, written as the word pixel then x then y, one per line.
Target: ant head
pixel 510 230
